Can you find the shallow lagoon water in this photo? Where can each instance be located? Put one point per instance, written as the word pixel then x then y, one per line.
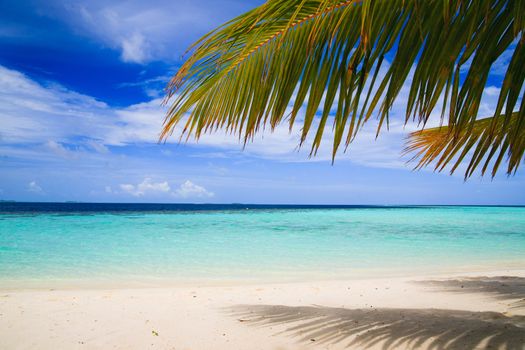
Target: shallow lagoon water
pixel 279 244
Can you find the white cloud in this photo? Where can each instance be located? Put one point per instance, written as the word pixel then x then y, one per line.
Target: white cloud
pixel 33 113
pixel 133 49
pixel 34 187
pixel 188 190
pixel 148 187
pixel 145 187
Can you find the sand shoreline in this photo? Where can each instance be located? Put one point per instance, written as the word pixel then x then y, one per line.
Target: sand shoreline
pixel 7 285
pixel 454 310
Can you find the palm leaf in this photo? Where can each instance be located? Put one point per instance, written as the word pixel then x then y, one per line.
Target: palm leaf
pixel 327 55
pixel 485 142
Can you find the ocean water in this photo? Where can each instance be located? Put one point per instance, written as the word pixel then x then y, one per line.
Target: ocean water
pixel 71 243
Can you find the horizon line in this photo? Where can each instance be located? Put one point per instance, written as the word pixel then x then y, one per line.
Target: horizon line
pixel 3 201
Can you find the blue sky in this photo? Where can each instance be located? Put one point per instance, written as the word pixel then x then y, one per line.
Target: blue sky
pixel 80 112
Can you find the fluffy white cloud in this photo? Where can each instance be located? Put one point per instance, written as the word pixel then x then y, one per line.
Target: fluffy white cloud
pixel 146 186
pixel 34 187
pixel 190 190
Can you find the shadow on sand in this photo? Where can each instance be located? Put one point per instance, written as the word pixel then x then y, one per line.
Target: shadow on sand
pixel 500 287
pixel 389 328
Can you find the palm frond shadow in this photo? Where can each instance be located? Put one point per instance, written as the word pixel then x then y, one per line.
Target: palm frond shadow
pixel 499 287
pixel 387 328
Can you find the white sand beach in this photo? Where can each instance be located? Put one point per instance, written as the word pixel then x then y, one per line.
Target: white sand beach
pixel 471 311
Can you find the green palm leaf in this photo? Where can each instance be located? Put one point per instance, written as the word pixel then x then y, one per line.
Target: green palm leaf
pixel 346 61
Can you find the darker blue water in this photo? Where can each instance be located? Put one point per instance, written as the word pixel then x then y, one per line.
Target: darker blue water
pixel 64 207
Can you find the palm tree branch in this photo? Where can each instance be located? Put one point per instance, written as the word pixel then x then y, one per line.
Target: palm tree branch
pixel 292 25
pixel 249 49
pixel 484 139
pixel 315 62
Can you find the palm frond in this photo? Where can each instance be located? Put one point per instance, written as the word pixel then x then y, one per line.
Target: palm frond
pixel 487 141
pixel 328 54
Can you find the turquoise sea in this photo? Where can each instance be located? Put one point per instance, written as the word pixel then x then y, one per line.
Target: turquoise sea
pixel 43 244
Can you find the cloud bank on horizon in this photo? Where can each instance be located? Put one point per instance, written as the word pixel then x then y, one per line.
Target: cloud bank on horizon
pixel 80 109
